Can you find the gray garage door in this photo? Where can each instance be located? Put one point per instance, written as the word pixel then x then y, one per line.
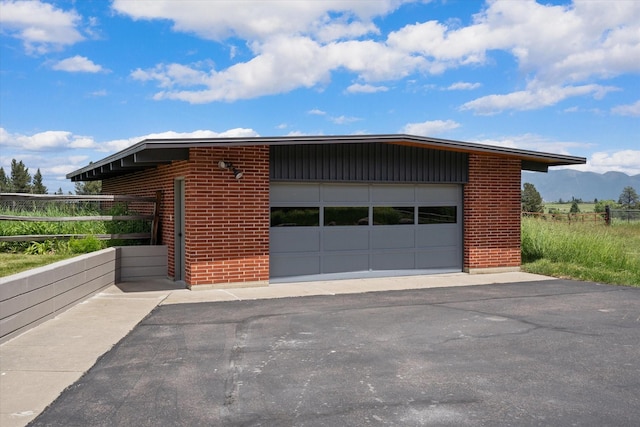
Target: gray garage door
pixel 364 230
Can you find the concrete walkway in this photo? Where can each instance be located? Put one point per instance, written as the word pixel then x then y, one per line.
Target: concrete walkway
pixel 39 364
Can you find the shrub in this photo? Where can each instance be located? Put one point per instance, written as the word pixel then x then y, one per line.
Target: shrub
pixel 85 245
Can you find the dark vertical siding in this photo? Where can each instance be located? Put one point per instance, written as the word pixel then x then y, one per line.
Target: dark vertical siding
pixel 366 163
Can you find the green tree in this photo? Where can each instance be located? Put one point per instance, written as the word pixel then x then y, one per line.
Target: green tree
pixel 5 185
pixel 629 198
pixel 600 206
pixel 38 187
pixel 574 207
pixel 531 199
pixel 20 178
pixel 89 187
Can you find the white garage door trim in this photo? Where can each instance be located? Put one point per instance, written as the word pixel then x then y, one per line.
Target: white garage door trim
pixel 397 233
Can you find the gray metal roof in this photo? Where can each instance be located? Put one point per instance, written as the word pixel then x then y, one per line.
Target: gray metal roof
pixel 152 152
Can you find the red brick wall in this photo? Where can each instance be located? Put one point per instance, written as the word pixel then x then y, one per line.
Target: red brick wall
pixel 226 220
pixel 492 213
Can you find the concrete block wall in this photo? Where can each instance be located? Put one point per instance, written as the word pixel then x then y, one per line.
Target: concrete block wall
pixel 141 262
pixel 34 296
pixel 492 214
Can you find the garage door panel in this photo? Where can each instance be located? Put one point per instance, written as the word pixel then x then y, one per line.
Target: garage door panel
pixel 393 237
pixel 345 262
pixel 437 235
pixel 338 246
pixel 393 260
pixel 439 258
pixel 344 194
pixel 294 239
pixel 345 239
pixel 294 265
pixel 444 194
pixel 393 193
pixel 290 193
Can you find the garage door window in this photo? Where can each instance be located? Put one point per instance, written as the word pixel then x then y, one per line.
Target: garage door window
pixel 437 215
pixel 295 217
pixel 387 215
pixel 346 215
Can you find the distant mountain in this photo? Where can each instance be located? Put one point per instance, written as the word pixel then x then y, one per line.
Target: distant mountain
pixel 567 183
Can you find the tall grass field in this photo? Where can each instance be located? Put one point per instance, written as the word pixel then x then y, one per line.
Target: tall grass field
pixel 583 251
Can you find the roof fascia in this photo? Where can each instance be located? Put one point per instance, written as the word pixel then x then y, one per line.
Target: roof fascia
pixel 178 147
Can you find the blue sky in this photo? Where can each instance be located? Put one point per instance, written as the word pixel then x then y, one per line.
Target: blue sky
pixel 83 79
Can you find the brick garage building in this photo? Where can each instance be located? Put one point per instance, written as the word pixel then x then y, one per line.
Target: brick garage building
pixel 256 210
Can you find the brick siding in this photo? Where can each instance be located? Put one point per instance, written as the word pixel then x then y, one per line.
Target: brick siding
pixel 492 213
pixel 226 220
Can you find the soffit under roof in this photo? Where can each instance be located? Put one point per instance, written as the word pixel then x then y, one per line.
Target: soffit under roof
pixel 153 152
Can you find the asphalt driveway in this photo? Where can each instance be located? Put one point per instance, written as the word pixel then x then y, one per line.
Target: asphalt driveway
pixel 555 352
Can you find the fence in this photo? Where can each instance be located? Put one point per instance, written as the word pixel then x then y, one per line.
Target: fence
pixel 114 209
pixel 605 217
pixel 625 215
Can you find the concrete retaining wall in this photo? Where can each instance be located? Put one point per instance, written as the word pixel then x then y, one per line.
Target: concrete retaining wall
pixel 33 296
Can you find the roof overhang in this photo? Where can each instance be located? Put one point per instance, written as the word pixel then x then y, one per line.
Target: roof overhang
pixel 153 152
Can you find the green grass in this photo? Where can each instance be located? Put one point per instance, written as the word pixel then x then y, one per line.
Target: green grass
pixel 15 263
pixel 583 251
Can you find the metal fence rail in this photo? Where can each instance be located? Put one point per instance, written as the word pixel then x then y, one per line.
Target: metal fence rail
pixel 47 208
pixel 597 217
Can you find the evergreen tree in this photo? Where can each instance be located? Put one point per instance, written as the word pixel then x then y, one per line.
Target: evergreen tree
pixel 5 185
pixel 20 178
pixel 629 198
pixel 531 199
pixel 89 187
pixel 38 187
pixel 574 207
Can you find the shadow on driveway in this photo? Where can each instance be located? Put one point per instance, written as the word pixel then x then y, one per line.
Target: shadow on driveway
pixel 542 353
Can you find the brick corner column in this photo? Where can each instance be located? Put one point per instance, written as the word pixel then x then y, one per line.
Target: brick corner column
pixel 492 213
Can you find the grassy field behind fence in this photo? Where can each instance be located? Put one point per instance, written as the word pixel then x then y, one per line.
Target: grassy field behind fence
pixel 20 256
pixel 584 251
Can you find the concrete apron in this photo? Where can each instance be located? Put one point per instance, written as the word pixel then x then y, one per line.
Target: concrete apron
pixel 39 364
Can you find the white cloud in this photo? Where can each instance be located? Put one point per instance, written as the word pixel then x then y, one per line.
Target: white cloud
pixel 464 86
pixel 534 97
pixel 41 26
pixel 97 93
pixel 625 161
pixel 317 112
pixel 48 140
pixel 367 88
pixel 121 144
pixel 218 20
pixel 343 120
pixel 632 110
pixel 430 128
pixel 535 142
pixel 77 64
pixel 299 45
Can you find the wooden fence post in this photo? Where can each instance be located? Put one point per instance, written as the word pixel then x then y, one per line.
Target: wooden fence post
pixel 607 215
